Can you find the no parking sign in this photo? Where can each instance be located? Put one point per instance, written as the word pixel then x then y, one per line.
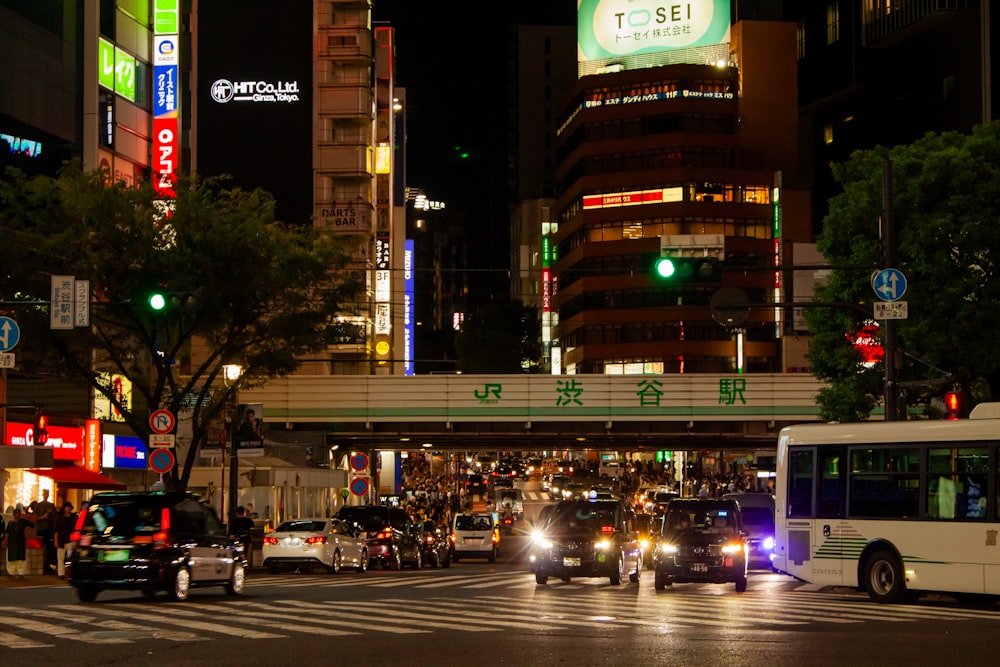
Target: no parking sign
pixel 359 461
pixel 359 486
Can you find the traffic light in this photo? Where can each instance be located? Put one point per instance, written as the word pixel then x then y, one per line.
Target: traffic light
pixel 159 301
pixel 688 269
pixel 956 405
pixel 41 431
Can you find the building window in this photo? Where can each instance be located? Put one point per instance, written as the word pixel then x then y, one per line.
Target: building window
pixel 828 134
pixel 832 22
pixel 800 40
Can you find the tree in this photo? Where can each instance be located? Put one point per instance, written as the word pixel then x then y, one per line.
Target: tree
pixel 500 338
pixel 946 203
pixel 240 287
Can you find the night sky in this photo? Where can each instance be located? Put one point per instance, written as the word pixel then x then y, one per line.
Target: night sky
pixel 451 62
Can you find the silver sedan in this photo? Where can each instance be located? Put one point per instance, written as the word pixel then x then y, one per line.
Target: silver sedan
pixel 304 544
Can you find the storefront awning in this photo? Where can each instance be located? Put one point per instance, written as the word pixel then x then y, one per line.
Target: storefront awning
pixel 77 477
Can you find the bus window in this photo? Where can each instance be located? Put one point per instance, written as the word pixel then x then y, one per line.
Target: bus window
pixel 800 483
pixel 831 486
pixel 956 482
pixel 885 482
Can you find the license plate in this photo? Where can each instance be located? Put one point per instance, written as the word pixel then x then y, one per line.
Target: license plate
pixel 699 567
pixel 113 556
pixel 571 562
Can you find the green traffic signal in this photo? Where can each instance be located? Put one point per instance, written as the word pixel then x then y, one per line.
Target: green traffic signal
pixel 701 269
pixel 157 301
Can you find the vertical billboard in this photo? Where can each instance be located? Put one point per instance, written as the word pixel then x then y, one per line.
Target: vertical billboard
pixel 615 28
pixel 408 315
pixel 254 96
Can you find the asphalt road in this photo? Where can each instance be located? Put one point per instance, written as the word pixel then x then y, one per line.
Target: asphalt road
pixel 476 613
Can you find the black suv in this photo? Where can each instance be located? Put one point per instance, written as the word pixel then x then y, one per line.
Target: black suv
pixel 151 542
pixel 701 540
pixel 588 538
pixel 391 537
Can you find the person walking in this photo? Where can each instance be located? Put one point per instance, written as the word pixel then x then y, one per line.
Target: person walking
pixel 16 544
pixel 64 524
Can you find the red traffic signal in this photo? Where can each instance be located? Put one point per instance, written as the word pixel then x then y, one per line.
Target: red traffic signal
pixel 41 431
pixel 956 405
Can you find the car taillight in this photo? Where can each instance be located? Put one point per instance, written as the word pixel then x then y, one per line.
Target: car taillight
pixel 75 535
pixel 451 538
pixel 429 539
pixel 384 534
pixel 270 540
pixel 162 537
pixel 607 530
pixel 316 539
pixel 495 537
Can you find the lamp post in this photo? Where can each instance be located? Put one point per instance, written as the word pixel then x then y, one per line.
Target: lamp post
pixel 231 374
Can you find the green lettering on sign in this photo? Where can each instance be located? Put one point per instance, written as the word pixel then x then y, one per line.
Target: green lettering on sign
pixel 731 390
pixel 106 63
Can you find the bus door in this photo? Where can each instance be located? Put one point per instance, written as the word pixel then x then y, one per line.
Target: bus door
pixel 813 515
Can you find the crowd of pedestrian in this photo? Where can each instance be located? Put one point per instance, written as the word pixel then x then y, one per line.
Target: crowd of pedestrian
pixel 42 526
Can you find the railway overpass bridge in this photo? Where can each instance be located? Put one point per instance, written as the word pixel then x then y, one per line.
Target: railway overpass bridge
pixel 539 412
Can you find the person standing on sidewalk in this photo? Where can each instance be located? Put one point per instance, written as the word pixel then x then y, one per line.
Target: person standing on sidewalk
pixel 46 513
pixel 16 543
pixel 64 523
pixel 242 525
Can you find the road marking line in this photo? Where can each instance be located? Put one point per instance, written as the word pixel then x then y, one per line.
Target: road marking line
pixel 164 615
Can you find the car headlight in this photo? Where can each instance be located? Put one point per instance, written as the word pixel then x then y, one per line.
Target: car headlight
pixel 602 545
pixel 732 549
pixel 668 549
pixel 540 540
pixel 643 544
pixel 768 544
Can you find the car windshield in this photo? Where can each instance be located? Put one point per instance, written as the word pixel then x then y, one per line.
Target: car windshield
pixel 584 517
pixel 302 527
pixel 124 517
pixel 469 522
pixel 371 519
pixel 708 521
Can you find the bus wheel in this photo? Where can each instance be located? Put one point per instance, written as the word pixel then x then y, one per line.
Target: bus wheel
pixel 884 579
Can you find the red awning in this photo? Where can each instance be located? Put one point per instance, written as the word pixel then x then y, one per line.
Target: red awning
pixel 77 477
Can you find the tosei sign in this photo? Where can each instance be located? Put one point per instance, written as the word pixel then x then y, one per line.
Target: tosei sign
pixel 613 28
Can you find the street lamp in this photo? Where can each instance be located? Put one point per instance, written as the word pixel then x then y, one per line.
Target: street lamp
pixel 231 374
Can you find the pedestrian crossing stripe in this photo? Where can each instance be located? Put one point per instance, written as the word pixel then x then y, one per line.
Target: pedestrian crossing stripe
pixel 547 609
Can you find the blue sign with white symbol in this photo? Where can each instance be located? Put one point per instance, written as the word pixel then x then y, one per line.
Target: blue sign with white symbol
pixel 889 284
pixel 10 333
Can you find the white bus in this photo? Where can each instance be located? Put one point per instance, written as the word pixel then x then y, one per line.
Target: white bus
pixel 892 508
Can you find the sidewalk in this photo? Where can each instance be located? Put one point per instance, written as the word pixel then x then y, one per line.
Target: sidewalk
pixel 7 581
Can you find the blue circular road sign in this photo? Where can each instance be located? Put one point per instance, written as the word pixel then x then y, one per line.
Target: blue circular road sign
pixel 889 284
pixel 10 333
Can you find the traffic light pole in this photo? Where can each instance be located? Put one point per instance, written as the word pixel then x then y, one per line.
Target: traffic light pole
pixel 890 390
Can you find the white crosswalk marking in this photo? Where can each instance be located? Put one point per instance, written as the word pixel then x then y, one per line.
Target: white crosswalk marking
pixel 185 618
pixel 558 607
pixel 55 630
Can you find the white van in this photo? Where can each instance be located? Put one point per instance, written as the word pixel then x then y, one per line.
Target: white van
pixel 474 536
pixel 610 469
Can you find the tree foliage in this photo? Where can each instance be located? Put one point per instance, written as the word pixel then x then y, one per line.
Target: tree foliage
pixel 945 199
pixel 249 290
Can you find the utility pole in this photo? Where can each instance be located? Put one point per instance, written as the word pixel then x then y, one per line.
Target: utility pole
pixel 889 240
